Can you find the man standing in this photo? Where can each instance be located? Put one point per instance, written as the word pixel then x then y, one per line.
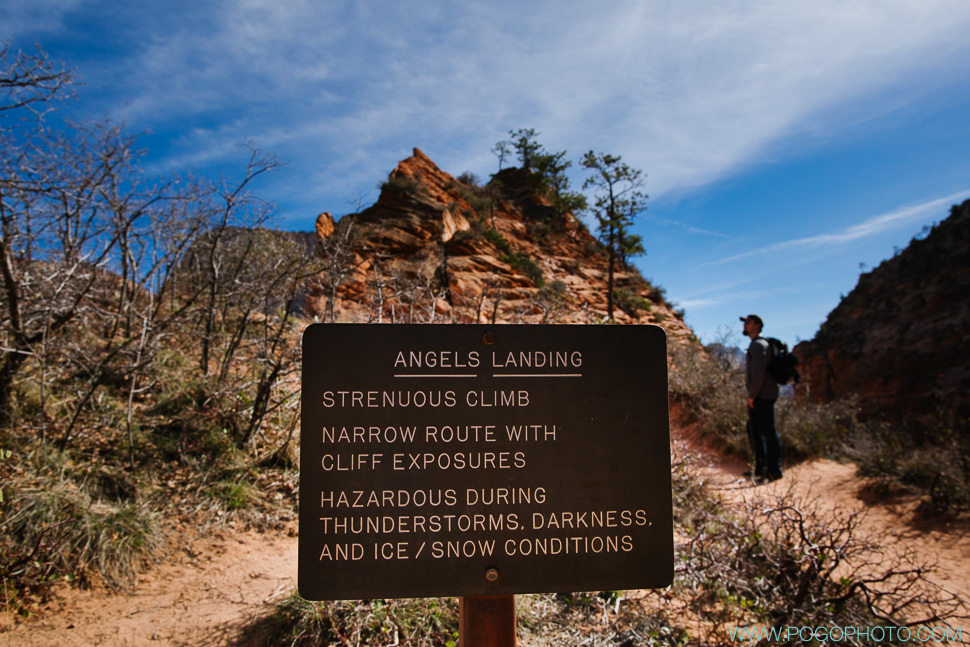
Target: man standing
pixel 762 393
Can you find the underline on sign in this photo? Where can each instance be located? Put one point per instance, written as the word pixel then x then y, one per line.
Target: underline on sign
pixel 436 375
pixel 537 375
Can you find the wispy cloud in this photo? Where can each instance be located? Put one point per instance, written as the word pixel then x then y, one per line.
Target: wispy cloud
pixel 34 18
pixel 688 93
pixel 875 225
pixel 735 293
pixel 667 222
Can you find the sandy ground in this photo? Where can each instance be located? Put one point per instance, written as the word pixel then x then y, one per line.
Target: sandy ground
pixel 204 593
pixel 212 586
pixel 894 522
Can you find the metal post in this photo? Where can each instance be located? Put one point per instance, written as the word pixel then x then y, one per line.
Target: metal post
pixel 486 621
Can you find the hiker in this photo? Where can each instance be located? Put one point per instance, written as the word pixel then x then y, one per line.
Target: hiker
pixel 762 393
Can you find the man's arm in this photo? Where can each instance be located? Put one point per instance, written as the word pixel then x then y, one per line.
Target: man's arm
pixel 757 368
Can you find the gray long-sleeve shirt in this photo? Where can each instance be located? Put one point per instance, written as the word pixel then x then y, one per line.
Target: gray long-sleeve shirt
pixel 757 381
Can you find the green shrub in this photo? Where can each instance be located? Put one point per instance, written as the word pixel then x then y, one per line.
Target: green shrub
pixel 470 179
pixel 497 239
pixel 402 185
pixel 518 260
pixel 524 263
pixel 216 442
pixel 235 494
pixel 656 293
pixel 630 302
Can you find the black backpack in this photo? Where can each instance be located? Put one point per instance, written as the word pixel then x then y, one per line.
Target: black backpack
pixel 781 362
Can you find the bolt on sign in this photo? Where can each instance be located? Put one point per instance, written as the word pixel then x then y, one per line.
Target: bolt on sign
pixel 467 460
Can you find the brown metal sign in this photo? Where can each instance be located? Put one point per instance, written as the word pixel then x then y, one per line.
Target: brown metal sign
pixel 466 460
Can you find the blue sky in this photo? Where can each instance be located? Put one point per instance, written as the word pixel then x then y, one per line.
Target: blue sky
pixel 786 144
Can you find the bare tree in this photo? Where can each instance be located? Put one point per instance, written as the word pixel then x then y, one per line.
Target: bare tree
pixel 61 232
pixel 502 150
pixel 236 208
pixel 339 261
pixel 552 299
pixel 431 287
pixel 32 81
pixel 123 297
pixel 383 287
pixel 278 278
pixel 28 84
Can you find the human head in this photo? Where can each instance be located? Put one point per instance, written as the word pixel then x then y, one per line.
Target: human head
pixel 752 324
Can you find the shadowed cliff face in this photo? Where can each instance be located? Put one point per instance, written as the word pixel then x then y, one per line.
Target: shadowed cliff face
pixel 435 249
pixel 900 341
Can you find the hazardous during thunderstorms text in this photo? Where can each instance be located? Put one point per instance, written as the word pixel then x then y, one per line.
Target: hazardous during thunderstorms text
pixel 488 519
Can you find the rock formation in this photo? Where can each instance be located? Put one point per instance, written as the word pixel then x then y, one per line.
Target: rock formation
pixel 324 227
pixel 437 249
pixel 900 341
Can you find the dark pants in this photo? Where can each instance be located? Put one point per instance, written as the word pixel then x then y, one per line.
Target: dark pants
pixel 765 441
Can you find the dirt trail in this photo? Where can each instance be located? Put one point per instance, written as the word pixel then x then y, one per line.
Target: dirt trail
pixel 209 589
pixel 893 522
pixel 202 594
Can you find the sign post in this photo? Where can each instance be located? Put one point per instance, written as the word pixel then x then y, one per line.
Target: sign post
pixel 487 621
pixel 483 461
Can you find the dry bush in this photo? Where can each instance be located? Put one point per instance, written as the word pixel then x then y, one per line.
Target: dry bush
pixel 782 562
pixel 605 618
pixel 542 620
pixel 424 622
pixel 934 459
pixel 711 386
pixel 700 373
pixel 810 429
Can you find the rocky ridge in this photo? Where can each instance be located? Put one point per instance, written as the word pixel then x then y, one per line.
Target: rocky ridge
pixel 437 249
pixel 900 341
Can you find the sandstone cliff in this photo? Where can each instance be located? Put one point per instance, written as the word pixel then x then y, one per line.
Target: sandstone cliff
pixel 900 341
pixel 437 249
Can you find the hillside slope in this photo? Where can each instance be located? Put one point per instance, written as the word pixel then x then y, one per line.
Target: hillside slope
pixel 900 341
pixel 437 249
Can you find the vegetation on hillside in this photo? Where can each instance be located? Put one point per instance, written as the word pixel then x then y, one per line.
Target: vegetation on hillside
pixel 149 335
pixel 547 170
pixel 616 202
